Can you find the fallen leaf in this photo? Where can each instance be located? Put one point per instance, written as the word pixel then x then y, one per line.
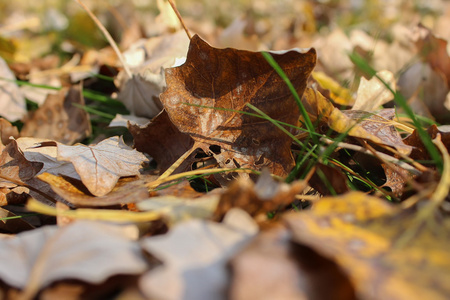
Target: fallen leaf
pixel 419 150
pixel 11 223
pixel 265 196
pixel 12 102
pixel 328 180
pixel 6 131
pixel 162 140
pixel 273 267
pixel 60 119
pixel 178 209
pixel 194 255
pixel 47 155
pixel 14 165
pixel 359 233
pixel 140 94
pixel 225 80
pixel 126 190
pixel 100 166
pixel 373 93
pixel 84 250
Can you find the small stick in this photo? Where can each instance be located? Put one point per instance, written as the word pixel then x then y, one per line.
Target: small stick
pixel 108 37
pixel 180 18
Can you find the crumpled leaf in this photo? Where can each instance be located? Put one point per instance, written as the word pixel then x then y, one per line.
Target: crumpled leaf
pixel 360 234
pixel 229 79
pixel 12 102
pixel 194 256
pixel 59 119
pixel 419 150
pixel 373 93
pixel 100 166
pixel 265 196
pixel 84 250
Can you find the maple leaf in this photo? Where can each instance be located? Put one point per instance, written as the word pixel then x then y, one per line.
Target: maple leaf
pixel 225 80
pixel 100 166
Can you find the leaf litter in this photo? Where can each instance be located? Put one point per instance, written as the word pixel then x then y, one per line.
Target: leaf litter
pixel 245 180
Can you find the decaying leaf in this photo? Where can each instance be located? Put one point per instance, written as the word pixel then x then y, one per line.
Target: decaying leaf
pixel 84 250
pixel 265 196
pixel 100 166
pixel 360 232
pixel 225 80
pixel 419 151
pixel 59 119
pixel 194 256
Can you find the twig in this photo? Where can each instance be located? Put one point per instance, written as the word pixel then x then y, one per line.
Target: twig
pixel 180 18
pixel 108 37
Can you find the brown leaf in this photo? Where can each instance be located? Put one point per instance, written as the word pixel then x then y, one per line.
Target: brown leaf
pixel 419 151
pixel 127 190
pixel 265 196
pixel 229 79
pixel 14 165
pixel 162 140
pixel 100 166
pixel 59 119
pixel 7 130
pixel 327 177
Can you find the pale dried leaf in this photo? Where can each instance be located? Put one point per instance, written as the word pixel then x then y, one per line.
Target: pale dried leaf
pixel 100 166
pixel 84 250
pixel 12 101
pixel 373 93
pixel 194 256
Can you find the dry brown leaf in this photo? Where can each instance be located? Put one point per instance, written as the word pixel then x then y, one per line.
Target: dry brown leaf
pixel 59 119
pixel 127 190
pixel 265 196
pixel 12 225
pixel 7 130
pixel 86 251
pixel 14 165
pixel 194 255
pixel 162 140
pixel 229 79
pixel 360 232
pixel 100 166
pixel 419 151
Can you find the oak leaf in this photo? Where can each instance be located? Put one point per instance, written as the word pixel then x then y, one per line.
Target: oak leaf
pixel 204 95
